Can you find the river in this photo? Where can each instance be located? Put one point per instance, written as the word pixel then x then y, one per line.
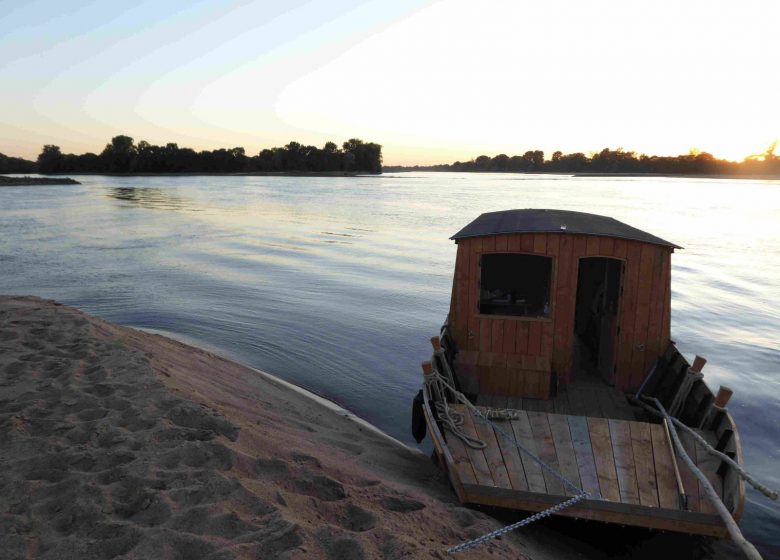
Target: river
pixel 336 284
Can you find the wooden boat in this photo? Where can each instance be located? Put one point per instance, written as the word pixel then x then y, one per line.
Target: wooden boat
pixel 557 321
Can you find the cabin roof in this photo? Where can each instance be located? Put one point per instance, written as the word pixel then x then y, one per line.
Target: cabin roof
pixel 532 220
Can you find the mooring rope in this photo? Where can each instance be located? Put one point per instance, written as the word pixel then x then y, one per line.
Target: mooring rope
pixel 736 535
pixel 746 476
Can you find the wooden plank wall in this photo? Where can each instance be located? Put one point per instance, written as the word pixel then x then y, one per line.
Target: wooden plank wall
pixel 509 343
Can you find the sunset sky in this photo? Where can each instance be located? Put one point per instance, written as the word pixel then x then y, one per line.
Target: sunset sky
pixel 433 82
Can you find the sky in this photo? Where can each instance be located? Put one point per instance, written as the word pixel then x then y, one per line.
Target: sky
pixel 432 81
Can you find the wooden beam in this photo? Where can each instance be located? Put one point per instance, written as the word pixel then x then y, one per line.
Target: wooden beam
pixel 698 364
pixel 723 396
pixel 600 510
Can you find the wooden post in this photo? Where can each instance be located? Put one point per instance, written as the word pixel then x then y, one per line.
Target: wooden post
pixel 436 343
pixel 698 364
pixel 723 396
pixel 427 368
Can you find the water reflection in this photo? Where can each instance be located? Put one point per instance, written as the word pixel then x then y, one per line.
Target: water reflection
pixel 153 198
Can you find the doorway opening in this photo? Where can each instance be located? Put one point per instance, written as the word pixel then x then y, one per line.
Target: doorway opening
pixel 596 318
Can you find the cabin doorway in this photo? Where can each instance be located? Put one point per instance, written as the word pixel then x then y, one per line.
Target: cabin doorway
pixel 596 318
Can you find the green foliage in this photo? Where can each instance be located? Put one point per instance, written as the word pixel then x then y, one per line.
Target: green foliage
pixel 617 161
pixel 122 155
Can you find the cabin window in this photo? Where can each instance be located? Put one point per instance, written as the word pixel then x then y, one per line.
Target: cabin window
pixel 517 285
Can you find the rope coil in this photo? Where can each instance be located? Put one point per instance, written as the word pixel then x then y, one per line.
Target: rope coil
pixel 453 420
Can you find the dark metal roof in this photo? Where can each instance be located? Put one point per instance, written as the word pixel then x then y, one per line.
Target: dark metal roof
pixel 531 220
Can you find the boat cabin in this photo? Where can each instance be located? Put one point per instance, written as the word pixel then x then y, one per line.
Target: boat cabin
pixel 542 297
pixel 556 353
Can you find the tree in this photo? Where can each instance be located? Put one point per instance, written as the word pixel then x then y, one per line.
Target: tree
pixel 51 159
pixel 119 155
pixel 367 156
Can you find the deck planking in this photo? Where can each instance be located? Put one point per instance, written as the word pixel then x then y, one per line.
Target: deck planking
pixel 623 462
pixel 642 447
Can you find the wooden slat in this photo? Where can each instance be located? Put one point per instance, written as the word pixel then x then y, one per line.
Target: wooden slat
pixel 475 251
pixel 602 510
pixel 580 439
pixel 591 245
pixel 461 459
pixel 606 246
pixel 531 385
pixel 655 320
pixel 642 316
pixel 564 449
pixel 619 249
pixel 666 481
pixel 497 342
pixel 564 309
pixel 540 243
pixel 642 447
pixel 627 315
pixel 477 456
pixel 547 338
pixel 501 243
pixel 667 309
pixel 521 342
pixel 533 472
pixel 620 434
pixel 510 334
pixel 511 456
pixel 527 242
pixel 534 338
pixel 544 443
pixel 690 482
pixel 485 334
pixel 459 307
pixel 492 452
pixel 602 455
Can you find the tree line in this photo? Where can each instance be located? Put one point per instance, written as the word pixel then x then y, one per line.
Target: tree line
pixel 609 161
pixel 10 164
pixel 122 155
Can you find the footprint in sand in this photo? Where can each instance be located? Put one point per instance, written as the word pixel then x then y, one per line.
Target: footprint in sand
pixel 401 505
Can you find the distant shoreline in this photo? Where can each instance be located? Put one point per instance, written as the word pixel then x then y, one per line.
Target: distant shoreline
pixel 30 181
pixel 760 176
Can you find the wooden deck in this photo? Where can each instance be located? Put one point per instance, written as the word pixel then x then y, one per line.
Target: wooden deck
pixel 625 464
pixel 581 398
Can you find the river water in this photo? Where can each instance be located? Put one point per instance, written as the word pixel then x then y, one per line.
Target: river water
pixel 336 284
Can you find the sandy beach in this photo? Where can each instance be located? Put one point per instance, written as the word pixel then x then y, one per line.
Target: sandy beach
pixel 118 443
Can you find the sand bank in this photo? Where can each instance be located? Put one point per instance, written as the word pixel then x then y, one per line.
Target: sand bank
pixel 28 181
pixel 118 443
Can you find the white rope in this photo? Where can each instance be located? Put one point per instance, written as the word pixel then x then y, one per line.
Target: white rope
pixel 746 476
pixel 736 535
